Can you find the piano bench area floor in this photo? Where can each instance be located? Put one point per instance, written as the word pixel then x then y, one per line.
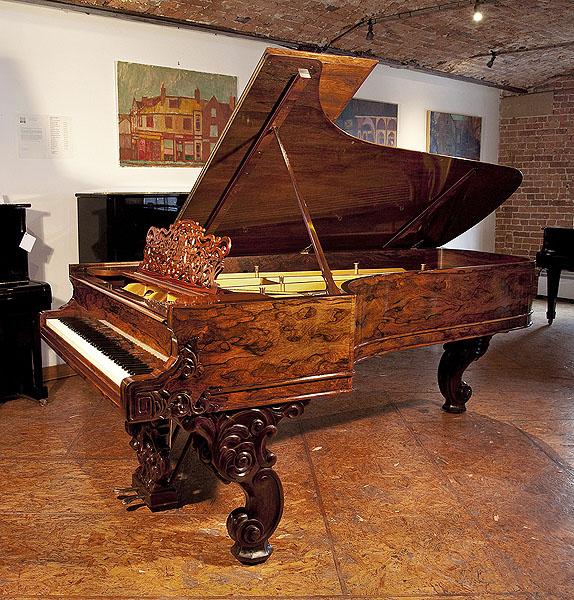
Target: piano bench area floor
pixel 386 496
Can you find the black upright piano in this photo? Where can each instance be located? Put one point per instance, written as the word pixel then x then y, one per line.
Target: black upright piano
pixel 21 301
pixel 112 226
pixel 557 253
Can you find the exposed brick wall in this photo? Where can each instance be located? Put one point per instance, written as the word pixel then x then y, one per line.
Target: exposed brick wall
pixel 542 147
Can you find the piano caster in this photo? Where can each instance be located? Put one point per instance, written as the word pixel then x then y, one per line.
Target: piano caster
pixel 252 556
pixel 455 360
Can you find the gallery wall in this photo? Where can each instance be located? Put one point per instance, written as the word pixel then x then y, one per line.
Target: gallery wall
pixel 62 64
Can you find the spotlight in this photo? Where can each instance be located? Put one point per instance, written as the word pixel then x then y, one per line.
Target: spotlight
pixel 477 15
pixel 370 32
pixel 492 59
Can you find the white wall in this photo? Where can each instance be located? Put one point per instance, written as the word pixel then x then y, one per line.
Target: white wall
pixel 61 63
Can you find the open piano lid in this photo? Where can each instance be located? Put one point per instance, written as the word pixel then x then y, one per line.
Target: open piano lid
pixel 359 195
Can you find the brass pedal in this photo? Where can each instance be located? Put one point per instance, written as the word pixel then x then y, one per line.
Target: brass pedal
pixel 130 499
pixel 120 491
pixel 130 495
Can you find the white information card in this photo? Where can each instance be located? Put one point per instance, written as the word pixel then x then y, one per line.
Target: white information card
pixel 43 136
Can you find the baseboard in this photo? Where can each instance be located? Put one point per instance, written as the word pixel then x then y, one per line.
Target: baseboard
pixel 566 289
pixel 57 372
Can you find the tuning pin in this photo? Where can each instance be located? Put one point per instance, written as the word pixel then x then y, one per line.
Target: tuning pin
pixel 256 270
pixel 356 268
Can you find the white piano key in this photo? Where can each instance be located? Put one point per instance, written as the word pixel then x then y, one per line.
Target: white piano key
pixel 95 356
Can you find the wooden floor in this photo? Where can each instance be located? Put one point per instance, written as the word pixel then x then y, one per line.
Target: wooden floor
pixel 387 497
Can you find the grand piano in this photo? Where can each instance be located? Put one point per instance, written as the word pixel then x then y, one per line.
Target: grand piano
pixel 300 251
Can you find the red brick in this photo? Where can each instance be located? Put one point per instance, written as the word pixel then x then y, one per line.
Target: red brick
pixel 541 147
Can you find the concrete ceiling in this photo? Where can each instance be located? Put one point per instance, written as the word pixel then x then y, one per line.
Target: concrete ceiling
pixel 533 39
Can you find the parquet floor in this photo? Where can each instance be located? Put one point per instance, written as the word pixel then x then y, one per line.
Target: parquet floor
pixel 387 497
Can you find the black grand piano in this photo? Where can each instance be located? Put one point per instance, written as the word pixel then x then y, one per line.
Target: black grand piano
pixel 556 255
pixel 300 251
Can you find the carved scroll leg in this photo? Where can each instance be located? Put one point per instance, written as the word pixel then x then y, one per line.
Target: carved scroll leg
pixel 455 360
pixel 251 526
pixel 234 446
pixel 152 480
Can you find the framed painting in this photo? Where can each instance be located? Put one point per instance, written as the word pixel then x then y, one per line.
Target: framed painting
pixel 170 117
pixel 454 135
pixel 371 121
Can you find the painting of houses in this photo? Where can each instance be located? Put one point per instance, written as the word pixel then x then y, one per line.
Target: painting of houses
pixel 370 120
pixel 170 117
pixel 453 135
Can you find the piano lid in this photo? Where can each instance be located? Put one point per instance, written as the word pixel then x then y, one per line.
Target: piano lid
pixel 359 194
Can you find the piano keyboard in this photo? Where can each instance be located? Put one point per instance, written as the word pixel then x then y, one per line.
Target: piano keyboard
pixel 101 346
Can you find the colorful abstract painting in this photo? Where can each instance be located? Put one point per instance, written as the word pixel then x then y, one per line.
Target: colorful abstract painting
pixel 453 135
pixel 171 117
pixel 371 121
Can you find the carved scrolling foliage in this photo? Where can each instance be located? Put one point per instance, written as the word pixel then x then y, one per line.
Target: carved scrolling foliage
pixel 234 445
pixel 151 443
pixel 185 253
pixel 168 396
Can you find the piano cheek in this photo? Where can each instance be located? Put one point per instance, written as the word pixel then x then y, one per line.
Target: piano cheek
pixel 173 392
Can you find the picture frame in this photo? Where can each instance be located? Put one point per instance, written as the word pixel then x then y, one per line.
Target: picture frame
pixel 170 117
pixel 454 135
pixel 370 120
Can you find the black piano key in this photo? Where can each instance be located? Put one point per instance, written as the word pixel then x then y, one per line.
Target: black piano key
pixel 108 346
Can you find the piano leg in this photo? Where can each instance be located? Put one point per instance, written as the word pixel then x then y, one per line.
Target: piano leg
pixel 152 479
pixel 233 444
pixel 553 282
pixel 38 390
pixel 455 360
